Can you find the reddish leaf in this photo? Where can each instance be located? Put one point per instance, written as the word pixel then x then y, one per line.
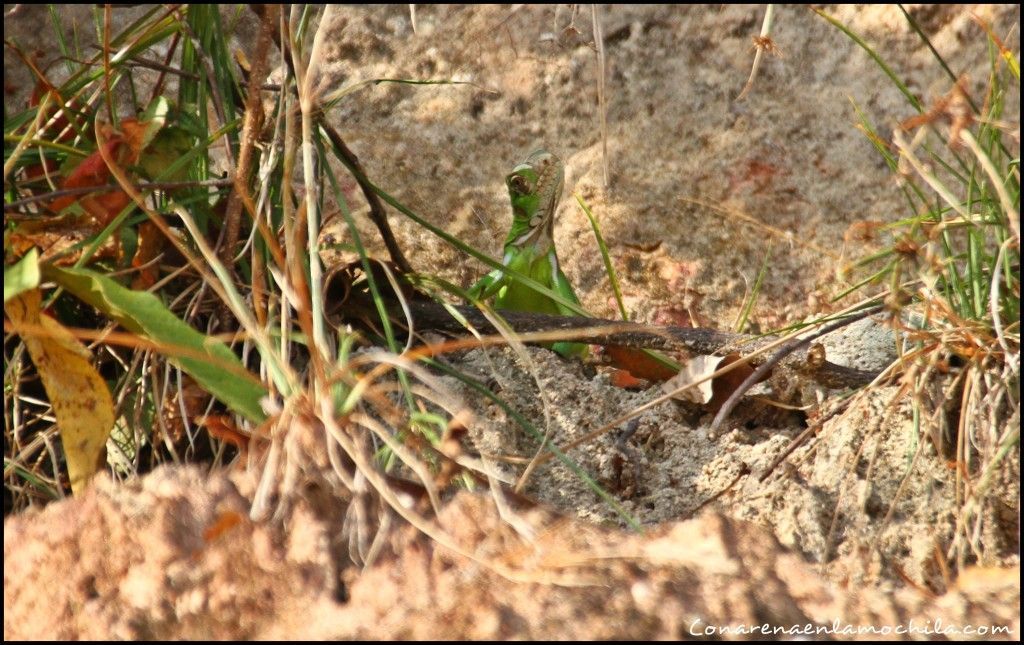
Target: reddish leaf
pixel 133 133
pixel 93 171
pixel 122 146
pixel 625 380
pixel 638 363
pixel 714 393
pixel 724 385
pixel 223 427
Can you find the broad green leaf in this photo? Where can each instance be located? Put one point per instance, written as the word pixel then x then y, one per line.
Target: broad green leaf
pixel 155 118
pixel 210 362
pixel 21 276
pixel 168 146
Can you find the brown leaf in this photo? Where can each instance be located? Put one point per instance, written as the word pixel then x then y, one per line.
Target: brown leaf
pixel 625 380
pixel 151 245
pixel 709 393
pixel 724 385
pixel 56 236
pixel 638 363
pixel 124 146
pixel 80 398
pixel 223 427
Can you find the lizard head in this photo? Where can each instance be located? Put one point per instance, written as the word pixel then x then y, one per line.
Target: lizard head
pixel 534 186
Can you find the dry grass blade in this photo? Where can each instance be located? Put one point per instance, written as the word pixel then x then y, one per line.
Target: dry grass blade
pixel 602 102
pixel 762 43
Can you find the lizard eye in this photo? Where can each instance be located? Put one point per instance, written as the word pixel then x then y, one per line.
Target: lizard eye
pixel 518 184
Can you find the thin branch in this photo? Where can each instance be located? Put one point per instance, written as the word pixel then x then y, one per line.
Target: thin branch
pixel 428 314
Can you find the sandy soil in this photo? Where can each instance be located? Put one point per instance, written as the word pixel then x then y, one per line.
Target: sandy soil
pixel 701 188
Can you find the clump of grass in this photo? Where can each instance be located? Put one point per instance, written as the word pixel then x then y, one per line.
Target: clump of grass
pixel 235 260
pixel 952 272
pixel 235 264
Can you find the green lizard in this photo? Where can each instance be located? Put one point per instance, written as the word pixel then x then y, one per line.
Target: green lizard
pixel 535 187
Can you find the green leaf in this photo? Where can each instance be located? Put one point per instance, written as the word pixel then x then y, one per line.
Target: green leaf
pixel 159 159
pixel 156 112
pixel 155 117
pixel 608 268
pixel 22 276
pixel 210 362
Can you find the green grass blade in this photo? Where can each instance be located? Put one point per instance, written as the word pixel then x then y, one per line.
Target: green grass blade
pixel 748 306
pixel 609 269
pixel 874 56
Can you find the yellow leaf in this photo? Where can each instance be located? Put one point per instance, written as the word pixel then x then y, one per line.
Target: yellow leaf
pixel 78 394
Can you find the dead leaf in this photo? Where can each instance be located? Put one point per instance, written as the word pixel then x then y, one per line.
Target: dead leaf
pixel 79 395
pixel 638 363
pixel 694 370
pixel 124 146
pixel 93 172
pixel 711 393
pixel 623 379
pixel 193 398
pixel 223 427
pixel 59 240
pixel 723 386
pixel 151 245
